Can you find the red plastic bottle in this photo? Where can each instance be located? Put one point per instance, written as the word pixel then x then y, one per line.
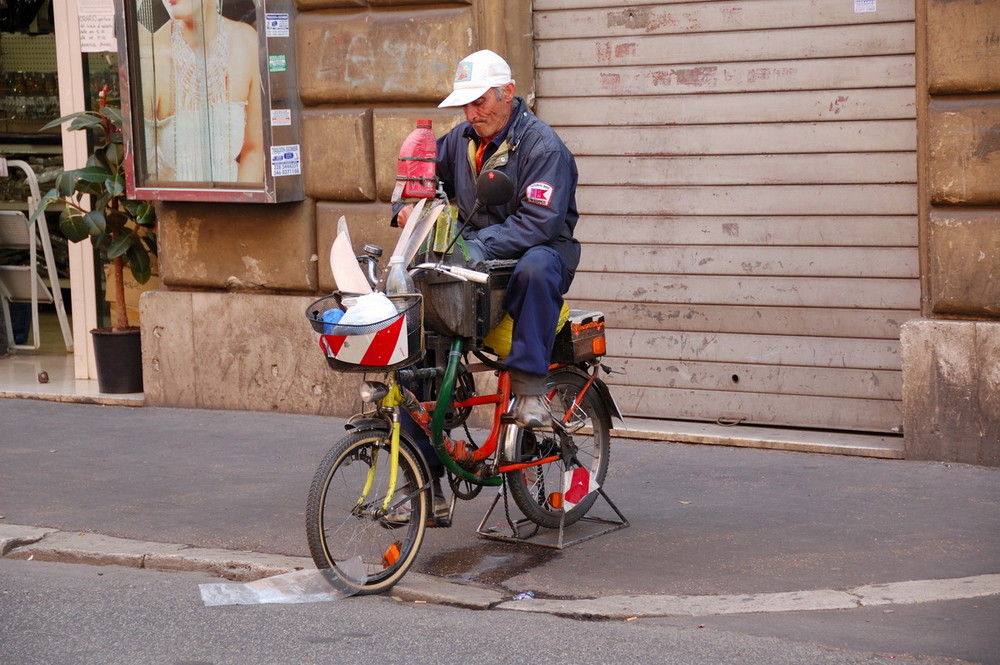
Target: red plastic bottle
pixel 416 170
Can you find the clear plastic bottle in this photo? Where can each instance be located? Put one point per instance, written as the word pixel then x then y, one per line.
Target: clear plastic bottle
pixel 398 282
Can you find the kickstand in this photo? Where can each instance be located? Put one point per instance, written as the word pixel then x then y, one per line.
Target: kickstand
pixel 586 527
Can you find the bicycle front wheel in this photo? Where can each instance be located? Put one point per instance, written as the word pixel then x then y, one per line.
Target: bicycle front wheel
pixel 345 521
pixel 587 424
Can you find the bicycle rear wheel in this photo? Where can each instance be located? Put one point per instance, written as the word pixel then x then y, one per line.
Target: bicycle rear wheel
pixel 588 424
pixel 345 522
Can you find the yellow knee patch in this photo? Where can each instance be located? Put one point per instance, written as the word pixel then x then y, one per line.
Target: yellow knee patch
pixel 498 341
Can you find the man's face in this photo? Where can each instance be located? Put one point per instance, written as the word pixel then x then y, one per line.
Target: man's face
pixel 488 114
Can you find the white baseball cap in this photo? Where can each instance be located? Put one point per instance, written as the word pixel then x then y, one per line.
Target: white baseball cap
pixel 476 74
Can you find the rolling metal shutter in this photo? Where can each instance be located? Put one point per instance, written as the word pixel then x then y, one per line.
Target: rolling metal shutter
pixel 748 199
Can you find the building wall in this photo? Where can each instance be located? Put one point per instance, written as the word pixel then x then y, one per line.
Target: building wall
pixel 951 357
pixel 228 330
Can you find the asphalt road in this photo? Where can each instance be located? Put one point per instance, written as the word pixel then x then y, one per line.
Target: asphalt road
pixel 54 614
pixel 705 521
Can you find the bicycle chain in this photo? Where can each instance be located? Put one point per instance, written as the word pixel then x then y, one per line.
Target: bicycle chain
pixel 513 525
pixel 506 511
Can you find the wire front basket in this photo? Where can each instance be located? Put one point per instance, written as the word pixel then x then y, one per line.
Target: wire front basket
pixel 391 343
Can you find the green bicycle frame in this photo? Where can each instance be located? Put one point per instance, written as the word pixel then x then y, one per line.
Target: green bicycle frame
pixel 441 412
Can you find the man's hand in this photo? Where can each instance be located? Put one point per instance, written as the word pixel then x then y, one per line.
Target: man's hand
pixel 403 215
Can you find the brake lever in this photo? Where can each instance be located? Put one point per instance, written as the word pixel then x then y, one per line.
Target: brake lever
pixel 463 274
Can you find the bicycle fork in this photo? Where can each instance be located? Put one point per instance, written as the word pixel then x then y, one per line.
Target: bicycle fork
pixel 394 399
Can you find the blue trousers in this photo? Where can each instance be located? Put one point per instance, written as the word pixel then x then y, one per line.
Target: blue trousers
pixel 533 299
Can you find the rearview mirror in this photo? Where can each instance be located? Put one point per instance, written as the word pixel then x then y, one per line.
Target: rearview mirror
pixel 493 188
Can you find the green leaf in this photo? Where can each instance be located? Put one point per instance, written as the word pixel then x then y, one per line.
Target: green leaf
pixel 96 223
pixel 88 180
pixel 138 263
pixel 120 218
pixel 100 202
pixel 71 116
pixel 143 212
pixel 115 155
pixel 93 174
pixel 65 183
pixel 73 225
pixel 50 196
pixel 115 185
pixel 113 114
pixel 119 245
pixel 85 122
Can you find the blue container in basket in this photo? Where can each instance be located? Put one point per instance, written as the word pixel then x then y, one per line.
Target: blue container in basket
pixel 330 319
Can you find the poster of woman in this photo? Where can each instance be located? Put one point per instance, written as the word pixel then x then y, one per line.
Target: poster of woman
pixel 200 92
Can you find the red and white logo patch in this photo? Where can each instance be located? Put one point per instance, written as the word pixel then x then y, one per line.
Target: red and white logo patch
pixel 539 193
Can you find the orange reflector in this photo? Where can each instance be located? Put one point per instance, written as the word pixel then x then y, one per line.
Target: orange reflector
pixel 598 346
pixel 556 500
pixel 391 555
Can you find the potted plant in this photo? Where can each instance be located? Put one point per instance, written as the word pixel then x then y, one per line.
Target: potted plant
pixel 123 229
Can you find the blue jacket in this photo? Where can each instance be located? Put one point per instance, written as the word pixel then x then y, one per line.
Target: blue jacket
pixel 543 210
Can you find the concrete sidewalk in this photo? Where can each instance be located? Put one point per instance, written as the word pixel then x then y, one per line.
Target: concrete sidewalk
pixel 225 491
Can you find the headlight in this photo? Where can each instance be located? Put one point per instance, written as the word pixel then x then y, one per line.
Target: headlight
pixel 373 391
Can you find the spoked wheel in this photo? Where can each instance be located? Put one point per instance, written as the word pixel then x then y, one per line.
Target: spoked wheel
pixel 345 521
pixel 587 424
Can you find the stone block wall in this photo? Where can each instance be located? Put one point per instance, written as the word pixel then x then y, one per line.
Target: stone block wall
pixel 952 405
pixel 951 358
pixel 228 330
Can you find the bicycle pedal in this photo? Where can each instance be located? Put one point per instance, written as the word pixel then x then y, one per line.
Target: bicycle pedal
pixel 438 523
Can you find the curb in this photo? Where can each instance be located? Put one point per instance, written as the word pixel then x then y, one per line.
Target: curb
pixel 42 544
pixel 896 593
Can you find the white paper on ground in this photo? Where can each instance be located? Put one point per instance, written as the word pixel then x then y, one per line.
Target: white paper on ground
pixel 299 586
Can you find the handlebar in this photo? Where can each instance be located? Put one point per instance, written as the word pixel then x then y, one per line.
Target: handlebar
pixel 419 373
pixel 464 274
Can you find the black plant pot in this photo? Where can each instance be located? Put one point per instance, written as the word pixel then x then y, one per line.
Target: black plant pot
pixel 119 360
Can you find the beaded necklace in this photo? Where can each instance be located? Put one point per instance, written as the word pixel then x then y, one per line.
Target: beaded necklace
pixel 200 96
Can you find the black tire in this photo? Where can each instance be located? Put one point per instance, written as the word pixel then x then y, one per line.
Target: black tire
pixel 341 525
pixel 590 425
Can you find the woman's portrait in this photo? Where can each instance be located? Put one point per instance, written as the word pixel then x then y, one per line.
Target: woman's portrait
pixel 201 91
